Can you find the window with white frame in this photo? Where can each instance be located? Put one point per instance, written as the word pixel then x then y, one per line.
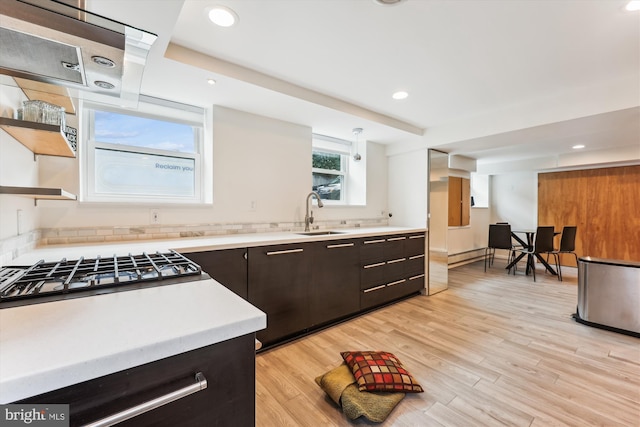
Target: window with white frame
pixel 142 157
pixel 336 176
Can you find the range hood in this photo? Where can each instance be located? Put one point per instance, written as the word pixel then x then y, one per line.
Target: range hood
pixel 57 42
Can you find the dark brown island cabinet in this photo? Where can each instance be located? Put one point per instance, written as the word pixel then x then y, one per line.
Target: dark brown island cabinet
pixel 228 399
pixel 305 286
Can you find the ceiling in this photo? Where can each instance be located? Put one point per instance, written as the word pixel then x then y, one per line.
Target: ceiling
pixel 493 80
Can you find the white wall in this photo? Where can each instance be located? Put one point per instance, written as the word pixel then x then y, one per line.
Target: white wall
pixel 18 168
pixel 513 198
pixel 256 159
pixel 408 189
pixel 462 239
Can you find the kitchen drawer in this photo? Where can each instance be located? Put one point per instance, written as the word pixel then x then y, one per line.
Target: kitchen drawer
pixel 372 250
pixel 372 275
pixel 415 245
pixel 397 289
pixel 394 247
pixel 373 297
pixel 415 283
pixel 395 269
pixel 229 399
pixel 414 265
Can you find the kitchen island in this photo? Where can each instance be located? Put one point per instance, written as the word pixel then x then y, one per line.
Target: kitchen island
pixel 54 345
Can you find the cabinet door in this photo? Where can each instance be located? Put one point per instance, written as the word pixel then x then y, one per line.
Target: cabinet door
pixel 278 285
pixel 335 281
pixel 459 201
pixel 228 267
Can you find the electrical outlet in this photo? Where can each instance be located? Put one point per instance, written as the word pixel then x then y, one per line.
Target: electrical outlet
pixel 20 221
pixel 154 216
pixel 253 205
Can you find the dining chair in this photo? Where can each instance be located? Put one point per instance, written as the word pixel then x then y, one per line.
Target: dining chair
pixel 567 246
pixel 543 244
pixel 499 238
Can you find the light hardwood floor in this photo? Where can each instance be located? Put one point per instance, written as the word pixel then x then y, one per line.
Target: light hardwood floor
pixel 492 350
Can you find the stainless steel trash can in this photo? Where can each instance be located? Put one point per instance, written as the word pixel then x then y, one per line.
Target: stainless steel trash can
pixel 609 294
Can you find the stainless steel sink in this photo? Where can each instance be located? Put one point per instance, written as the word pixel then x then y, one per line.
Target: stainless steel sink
pixel 321 233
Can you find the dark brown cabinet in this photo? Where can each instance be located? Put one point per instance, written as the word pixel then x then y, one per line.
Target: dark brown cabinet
pixel 392 267
pixel 229 399
pixel 226 266
pixel 334 290
pixel 309 285
pixel 278 285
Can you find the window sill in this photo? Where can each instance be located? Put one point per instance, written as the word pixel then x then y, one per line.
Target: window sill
pixel 341 205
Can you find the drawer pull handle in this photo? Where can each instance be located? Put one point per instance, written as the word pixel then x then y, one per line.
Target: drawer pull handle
pixel 288 251
pixel 419 276
pixel 416 256
pixel 378 264
pixel 393 239
pixel 367 242
pixel 421 236
pixel 340 245
pixel 397 282
pixel 373 289
pixel 393 261
pixel 201 384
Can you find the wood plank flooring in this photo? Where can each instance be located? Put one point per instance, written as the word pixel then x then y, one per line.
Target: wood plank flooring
pixel 492 350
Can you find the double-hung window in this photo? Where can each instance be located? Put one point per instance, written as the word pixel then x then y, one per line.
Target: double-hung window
pixel 336 176
pixel 138 157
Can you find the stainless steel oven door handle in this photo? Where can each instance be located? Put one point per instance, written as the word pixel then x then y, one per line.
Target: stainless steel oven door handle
pixel 201 384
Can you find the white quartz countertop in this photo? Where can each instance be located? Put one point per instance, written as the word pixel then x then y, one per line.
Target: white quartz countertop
pixel 186 245
pixel 56 344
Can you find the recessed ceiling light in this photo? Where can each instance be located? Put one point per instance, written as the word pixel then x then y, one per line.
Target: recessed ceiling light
pixel 387 2
pixel 400 95
pixel 633 5
pixel 211 82
pixel 103 85
pixel 577 147
pixel 104 62
pixel 222 16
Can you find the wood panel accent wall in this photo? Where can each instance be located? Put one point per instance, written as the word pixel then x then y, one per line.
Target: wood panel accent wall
pixel 603 203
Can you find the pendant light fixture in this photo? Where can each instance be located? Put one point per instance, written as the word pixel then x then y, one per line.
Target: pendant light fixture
pixel 357 131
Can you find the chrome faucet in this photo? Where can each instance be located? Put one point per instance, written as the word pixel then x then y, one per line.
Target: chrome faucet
pixel 308 218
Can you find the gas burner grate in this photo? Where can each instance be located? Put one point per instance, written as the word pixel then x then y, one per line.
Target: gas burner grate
pixel 65 277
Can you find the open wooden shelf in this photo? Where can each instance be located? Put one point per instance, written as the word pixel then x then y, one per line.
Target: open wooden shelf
pixel 47 92
pixel 40 138
pixel 38 193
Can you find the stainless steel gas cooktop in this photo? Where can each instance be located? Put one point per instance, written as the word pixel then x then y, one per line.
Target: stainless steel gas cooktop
pixel 51 281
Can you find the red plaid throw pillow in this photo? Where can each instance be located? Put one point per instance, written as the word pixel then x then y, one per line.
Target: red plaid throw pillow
pixel 380 371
